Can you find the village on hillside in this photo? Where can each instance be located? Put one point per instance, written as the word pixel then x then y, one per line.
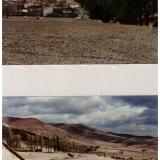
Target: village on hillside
pixel 46 8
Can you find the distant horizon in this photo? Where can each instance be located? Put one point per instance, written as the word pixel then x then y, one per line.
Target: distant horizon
pixel 133 115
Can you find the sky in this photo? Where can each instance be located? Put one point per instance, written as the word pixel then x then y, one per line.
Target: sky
pixel 121 114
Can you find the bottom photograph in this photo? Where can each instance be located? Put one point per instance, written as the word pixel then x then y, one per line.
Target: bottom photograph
pixel 81 128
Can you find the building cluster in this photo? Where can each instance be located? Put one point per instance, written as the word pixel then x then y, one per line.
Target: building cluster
pixel 53 8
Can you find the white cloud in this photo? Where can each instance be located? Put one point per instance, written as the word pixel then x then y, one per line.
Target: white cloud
pixel 108 113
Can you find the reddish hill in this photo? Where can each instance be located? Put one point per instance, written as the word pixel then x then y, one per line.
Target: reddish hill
pixel 34 125
pixel 96 134
pixel 91 133
pixel 77 132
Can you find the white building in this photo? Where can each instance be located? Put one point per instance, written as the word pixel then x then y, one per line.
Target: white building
pixel 66 1
pixel 47 11
pixel 74 5
pixel 28 4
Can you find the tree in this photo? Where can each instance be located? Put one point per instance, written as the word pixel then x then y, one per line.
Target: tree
pixel 124 11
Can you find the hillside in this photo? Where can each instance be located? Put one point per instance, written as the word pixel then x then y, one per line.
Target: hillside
pixel 33 125
pixel 96 134
pixel 75 138
pixel 77 132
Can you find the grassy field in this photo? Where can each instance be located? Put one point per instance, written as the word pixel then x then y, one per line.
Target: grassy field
pixel 70 41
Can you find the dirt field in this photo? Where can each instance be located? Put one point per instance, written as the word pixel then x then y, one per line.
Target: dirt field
pixel 70 41
pixel 60 156
pixel 128 153
pixel 110 154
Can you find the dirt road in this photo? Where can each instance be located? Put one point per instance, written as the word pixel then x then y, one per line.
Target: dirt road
pixel 70 41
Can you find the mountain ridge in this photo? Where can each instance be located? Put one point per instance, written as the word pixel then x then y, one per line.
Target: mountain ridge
pixel 77 132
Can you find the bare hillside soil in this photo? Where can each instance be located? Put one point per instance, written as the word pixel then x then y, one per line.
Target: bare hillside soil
pixel 70 41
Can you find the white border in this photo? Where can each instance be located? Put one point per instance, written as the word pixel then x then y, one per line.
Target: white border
pixel 80 80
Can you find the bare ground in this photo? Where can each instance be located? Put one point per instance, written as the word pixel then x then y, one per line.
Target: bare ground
pixel 60 156
pixel 7 155
pixel 111 153
pixel 70 41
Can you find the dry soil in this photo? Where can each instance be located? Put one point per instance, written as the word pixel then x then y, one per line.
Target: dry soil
pixel 69 41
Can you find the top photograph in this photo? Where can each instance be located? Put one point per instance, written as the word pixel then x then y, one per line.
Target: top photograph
pixel 53 32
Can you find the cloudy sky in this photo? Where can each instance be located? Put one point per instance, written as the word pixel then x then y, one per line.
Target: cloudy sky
pixel 122 114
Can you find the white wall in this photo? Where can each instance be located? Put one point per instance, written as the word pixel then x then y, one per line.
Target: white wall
pixel 47 11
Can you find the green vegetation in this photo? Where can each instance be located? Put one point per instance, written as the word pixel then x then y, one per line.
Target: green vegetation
pixel 61 144
pixel 123 11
